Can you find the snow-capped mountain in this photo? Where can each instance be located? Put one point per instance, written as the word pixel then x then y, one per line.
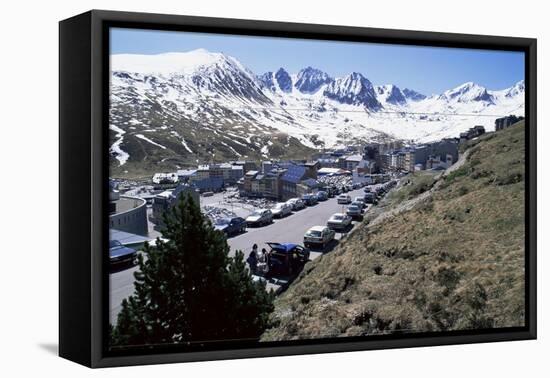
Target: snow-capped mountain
pixel 413 95
pixel 390 94
pixel 310 79
pixel 176 108
pixel 467 92
pixel 353 89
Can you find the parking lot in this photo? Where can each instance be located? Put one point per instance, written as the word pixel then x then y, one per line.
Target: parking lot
pixel 289 229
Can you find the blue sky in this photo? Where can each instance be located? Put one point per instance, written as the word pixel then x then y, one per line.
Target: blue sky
pixel 425 69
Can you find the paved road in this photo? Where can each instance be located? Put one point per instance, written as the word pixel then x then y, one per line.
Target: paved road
pixel 289 229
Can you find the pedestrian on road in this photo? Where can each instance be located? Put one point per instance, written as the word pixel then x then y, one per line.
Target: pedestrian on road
pixel 262 262
pixel 252 261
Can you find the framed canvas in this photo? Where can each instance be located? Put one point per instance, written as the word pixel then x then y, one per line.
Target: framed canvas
pixel 236 188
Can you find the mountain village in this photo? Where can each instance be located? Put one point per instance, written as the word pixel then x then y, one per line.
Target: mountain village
pixel 273 201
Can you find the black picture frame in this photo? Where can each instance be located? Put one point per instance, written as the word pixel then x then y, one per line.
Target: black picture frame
pixel 83 196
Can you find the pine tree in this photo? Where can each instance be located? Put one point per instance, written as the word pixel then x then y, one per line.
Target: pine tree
pixel 188 289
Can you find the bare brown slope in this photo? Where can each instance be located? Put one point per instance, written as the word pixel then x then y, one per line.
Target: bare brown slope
pixel 455 260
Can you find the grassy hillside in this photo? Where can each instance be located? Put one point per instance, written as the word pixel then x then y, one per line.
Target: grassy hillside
pixel 442 252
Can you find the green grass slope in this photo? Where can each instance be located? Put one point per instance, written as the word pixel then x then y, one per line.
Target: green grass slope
pixel 451 259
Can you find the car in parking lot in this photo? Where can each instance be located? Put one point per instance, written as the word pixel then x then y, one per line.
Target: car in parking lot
pixel 318 236
pixel 322 195
pixel 339 221
pixel 379 190
pixel 296 204
pixel 343 199
pixel 359 204
pixel 231 226
pixel 286 259
pixel 354 211
pixel 362 200
pixel 309 199
pixel 120 255
pixel 370 198
pixel 281 209
pixel 260 217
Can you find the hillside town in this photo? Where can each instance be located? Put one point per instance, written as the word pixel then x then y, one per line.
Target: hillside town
pixel 259 203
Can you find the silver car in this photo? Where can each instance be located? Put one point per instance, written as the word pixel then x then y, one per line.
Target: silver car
pixel 260 217
pixel 344 199
pixel 318 236
pixel 281 209
pixel 354 211
pixel 296 204
pixel 339 221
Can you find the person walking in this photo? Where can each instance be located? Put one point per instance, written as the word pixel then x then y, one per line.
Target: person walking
pixel 252 259
pixel 262 262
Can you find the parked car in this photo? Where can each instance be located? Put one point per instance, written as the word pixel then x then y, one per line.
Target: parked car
pixel 208 194
pixel 339 221
pixel 231 226
pixel 344 199
pixel 309 199
pixel 281 209
pixel 370 198
pixel 359 204
pixel 260 217
pixel 296 204
pixel 322 196
pixel 362 200
pixel 354 211
pixel 318 236
pixel 121 255
pixel 286 259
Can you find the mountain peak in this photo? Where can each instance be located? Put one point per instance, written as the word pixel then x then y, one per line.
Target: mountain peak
pixel 184 63
pixel 467 92
pixel 310 79
pixel 353 89
pixel 516 90
pixel 391 94
pixel 284 80
pixel 413 95
pixel 356 76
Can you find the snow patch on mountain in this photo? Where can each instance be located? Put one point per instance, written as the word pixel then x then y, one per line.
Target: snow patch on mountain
pixel 143 137
pixel 115 149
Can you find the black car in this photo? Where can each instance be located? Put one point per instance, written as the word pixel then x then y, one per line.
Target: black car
pixel 286 259
pixel 231 226
pixel 322 195
pixel 370 198
pixel 120 255
pixel 310 199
